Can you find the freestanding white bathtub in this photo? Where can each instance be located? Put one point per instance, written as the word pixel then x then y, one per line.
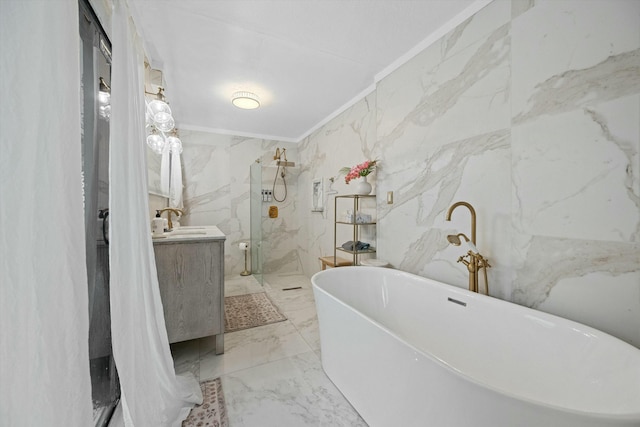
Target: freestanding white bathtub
pixel 409 351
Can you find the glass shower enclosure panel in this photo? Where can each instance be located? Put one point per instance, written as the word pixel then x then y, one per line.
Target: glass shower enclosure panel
pixel 255 246
pixel 95 63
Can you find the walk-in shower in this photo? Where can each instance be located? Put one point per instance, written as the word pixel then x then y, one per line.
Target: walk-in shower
pixel 273 216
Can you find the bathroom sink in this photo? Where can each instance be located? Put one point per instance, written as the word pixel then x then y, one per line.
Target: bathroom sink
pixel 183 232
pixel 188 233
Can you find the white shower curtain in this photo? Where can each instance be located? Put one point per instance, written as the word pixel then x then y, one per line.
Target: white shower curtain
pixel 152 394
pixel 44 320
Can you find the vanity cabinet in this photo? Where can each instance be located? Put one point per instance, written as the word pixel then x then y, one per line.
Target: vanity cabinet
pixel 191 278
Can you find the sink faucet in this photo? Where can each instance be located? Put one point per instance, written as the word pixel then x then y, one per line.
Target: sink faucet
pixel 177 212
pixel 475 261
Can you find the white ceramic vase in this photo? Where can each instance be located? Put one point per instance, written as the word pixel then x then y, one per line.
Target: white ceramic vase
pixel 363 187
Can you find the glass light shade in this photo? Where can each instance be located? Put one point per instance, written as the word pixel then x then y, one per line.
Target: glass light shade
pixel 104 98
pixel 245 100
pixel 160 111
pixel 166 126
pixel 105 111
pixel 175 145
pixel 162 117
pixel 156 143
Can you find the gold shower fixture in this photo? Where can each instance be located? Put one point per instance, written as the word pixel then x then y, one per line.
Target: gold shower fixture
pixel 473 260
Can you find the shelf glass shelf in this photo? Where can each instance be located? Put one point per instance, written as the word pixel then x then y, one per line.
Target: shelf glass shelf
pixel 355 223
pixel 366 251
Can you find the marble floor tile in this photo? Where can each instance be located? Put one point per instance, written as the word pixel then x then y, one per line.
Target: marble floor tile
pixel 286 280
pixel 298 305
pixel 293 300
pixel 241 285
pixel 186 357
pixel 250 347
pixel 291 392
pixel 307 325
pixel 272 374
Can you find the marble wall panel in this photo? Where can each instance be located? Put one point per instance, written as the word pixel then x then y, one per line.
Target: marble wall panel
pixel 216 184
pixel 280 234
pixel 576 139
pixel 529 110
pixel 345 141
pixel 590 281
pixel 451 142
pixel 571 53
pixel 206 170
pixel 576 174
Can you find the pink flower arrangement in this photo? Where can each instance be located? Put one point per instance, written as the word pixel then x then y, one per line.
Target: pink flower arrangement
pixel 363 169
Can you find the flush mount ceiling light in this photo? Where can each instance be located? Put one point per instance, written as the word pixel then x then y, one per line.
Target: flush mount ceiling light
pixel 245 100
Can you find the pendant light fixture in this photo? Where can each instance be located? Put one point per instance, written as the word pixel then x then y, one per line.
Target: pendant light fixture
pixel 104 99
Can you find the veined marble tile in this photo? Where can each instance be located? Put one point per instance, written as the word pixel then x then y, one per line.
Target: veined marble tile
pixel 412 231
pixel 281 280
pixel 293 392
pixel 305 321
pixel 251 347
pixel 345 141
pixel 186 357
pixel 518 7
pixel 488 19
pixel 577 174
pixel 241 285
pixel 431 100
pixel 300 308
pixel 566 54
pixel 206 194
pixel 593 282
pixel 602 300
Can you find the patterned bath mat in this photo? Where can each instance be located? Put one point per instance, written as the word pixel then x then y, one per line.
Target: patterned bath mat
pixel 212 412
pixel 249 311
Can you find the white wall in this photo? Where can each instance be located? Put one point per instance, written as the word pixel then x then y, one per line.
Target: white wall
pixel 530 111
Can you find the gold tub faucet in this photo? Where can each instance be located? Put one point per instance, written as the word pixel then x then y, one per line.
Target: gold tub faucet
pixel 475 261
pixel 177 212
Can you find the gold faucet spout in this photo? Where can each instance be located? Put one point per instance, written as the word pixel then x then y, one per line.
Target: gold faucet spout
pixel 176 212
pixel 473 217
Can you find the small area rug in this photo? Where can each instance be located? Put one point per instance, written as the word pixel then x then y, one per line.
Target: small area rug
pixel 248 311
pixel 212 412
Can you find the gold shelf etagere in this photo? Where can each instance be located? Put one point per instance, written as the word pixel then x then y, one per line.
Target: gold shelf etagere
pixel 356 227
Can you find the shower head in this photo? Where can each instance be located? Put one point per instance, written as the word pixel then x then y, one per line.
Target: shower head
pixel 454 239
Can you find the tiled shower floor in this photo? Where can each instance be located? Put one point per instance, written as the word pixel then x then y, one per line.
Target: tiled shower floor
pixel 271 375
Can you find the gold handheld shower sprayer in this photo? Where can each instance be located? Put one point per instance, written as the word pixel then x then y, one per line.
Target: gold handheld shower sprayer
pixel 278 157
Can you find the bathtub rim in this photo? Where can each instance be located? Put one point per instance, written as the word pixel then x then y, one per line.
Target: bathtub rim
pixel 608 416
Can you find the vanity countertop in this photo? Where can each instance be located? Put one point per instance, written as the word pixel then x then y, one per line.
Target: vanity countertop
pixel 190 234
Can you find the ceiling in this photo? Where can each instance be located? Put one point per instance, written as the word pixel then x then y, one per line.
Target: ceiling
pixel 306 59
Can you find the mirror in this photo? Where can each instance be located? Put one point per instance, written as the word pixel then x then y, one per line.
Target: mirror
pixel 154 162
